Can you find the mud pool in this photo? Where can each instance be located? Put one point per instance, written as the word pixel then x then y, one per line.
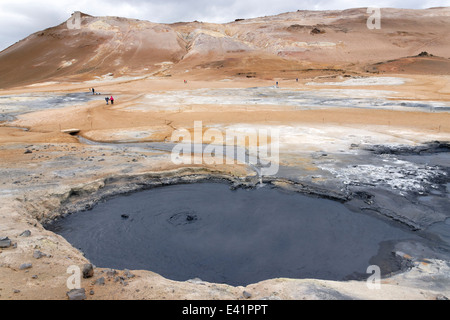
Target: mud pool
pixel 297 99
pixel 14 105
pixel 209 231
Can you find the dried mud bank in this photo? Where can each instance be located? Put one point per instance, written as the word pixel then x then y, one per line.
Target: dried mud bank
pixel 408 184
pixel 34 262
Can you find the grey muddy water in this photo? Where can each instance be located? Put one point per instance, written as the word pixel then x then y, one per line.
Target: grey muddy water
pixel 208 231
pixel 12 106
pixel 299 99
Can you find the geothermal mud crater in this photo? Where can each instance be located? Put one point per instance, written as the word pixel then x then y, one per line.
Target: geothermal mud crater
pixel 241 236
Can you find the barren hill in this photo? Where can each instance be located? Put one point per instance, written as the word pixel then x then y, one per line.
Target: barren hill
pixel 294 44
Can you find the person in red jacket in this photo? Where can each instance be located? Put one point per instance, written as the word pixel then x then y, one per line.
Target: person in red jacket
pixel 111 99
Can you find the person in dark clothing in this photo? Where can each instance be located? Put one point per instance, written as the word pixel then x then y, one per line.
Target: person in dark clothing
pixel 107 100
pixel 93 91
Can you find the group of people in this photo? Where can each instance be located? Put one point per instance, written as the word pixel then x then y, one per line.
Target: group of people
pixel 107 99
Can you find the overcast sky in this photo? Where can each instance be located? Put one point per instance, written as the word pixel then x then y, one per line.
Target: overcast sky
pixel 20 18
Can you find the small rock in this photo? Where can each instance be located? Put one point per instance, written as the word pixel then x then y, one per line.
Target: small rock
pixel 91 292
pixel 26 233
pixel 424 54
pixel 124 216
pixel 111 273
pixel 38 254
pixel 246 294
pixel 128 274
pixel 5 242
pixel 121 280
pixel 16 291
pixel 316 31
pixel 441 297
pixel 100 281
pixel 88 270
pixel 24 266
pixel 28 151
pixel 76 294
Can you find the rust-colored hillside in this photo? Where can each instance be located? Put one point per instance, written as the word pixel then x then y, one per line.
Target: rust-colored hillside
pixel 296 44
